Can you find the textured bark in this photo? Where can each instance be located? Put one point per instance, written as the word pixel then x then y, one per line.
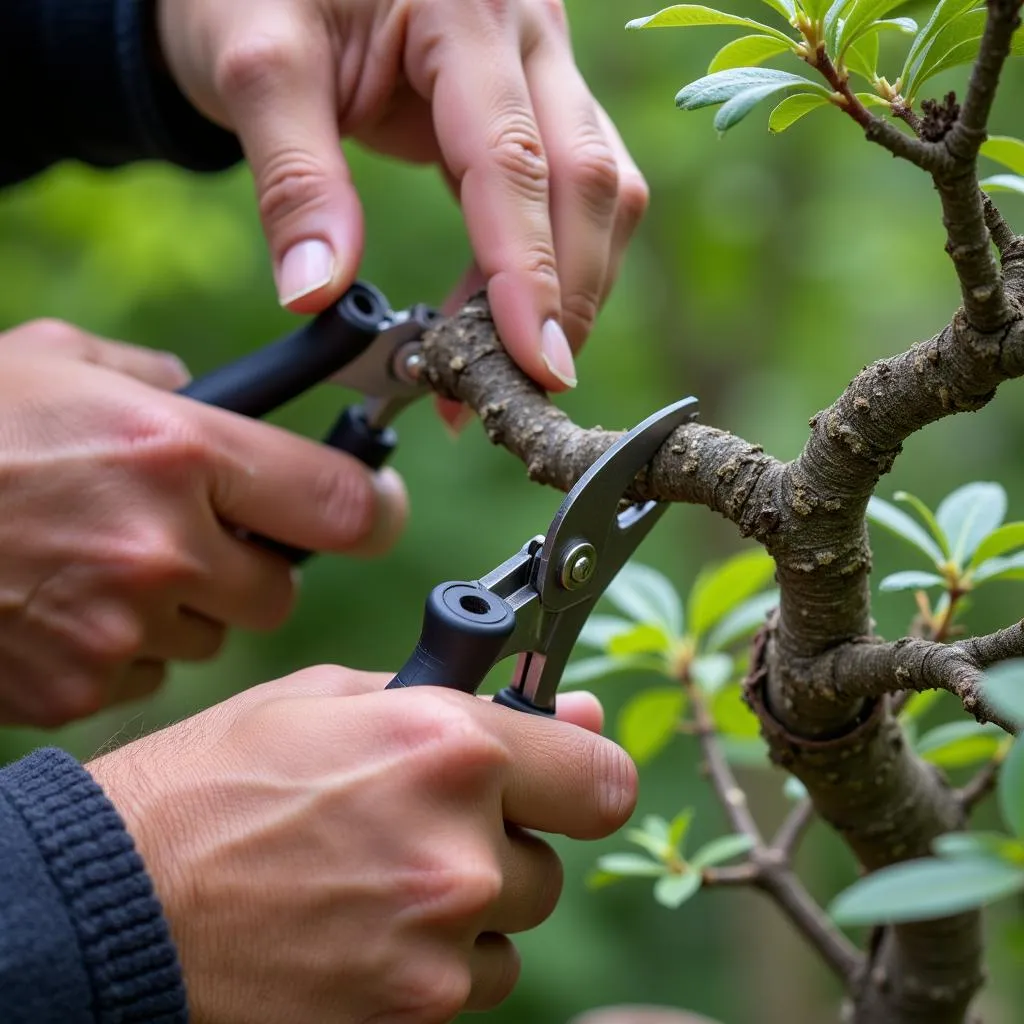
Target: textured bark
pixel 821 681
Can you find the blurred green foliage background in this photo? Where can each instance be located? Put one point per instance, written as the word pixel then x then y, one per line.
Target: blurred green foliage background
pixel 768 272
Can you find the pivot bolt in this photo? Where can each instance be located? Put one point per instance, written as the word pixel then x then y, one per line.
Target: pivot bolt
pixel 578 566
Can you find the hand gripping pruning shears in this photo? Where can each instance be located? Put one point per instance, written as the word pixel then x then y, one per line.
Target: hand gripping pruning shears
pixel 534 604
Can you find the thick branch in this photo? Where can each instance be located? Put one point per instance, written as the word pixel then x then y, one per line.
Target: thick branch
pixel 870 669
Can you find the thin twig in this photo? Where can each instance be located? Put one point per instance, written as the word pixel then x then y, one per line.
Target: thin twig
pixel 980 786
pixel 1002 234
pixel 730 794
pixel 792 829
pixel 812 922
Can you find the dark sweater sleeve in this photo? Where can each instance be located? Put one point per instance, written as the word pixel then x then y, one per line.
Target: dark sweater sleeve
pixel 82 935
pixel 79 79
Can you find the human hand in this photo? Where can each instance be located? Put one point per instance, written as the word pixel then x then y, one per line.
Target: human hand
pixel 328 852
pixel 488 90
pixel 114 495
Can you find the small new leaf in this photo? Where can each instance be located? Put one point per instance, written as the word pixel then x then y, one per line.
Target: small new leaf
pixel 673 891
pixel 644 595
pixel 747 51
pixel 927 517
pixel 641 639
pixel 694 16
pixel 711 671
pixel 920 890
pixel 897 522
pixel 1011 789
pixel 792 109
pixel 632 865
pixel 959 744
pixel 720 850
pixel 1003 183
pixel 588 669
pixel 910 580
pixel 1006 538
pixel 969 515
pixel 649 721
pixel 1006 151
pixel 977 844
pixel 720 589
pixel 1009 568
pixel 724 85
pixel 742 621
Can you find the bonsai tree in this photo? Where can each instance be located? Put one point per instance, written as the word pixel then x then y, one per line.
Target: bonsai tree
pixel 840 710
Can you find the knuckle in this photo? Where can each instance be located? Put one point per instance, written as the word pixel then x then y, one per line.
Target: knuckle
pixel 496 10
pixel 594 174
pixel 579 313
pixel 634 198
pixel 433 993
pixel 110 638
pixel 56 335
pixel 252 65
pixel 518 153
pixel 151 557
pixel 291 182
pixel 554 12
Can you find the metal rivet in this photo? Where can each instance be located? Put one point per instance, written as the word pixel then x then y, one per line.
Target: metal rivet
pixel 578 566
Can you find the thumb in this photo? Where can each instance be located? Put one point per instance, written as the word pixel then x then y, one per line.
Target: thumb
pixel 280 98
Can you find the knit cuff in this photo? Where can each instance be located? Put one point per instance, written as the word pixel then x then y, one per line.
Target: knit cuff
pixel 125 943
pixel 116 105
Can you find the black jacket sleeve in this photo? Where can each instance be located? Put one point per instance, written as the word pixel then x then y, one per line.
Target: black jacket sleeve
pixel 81 79
pixel 82 935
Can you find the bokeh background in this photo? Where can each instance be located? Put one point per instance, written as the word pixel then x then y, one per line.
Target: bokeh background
pixel 768 272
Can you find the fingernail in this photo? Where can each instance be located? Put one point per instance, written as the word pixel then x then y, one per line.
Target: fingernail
pixel 458 424
pixel 306 267
pixel 556 353
pixel 391 512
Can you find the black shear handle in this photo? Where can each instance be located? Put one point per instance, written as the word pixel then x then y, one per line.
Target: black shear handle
pixel 266 379
pixel 465 630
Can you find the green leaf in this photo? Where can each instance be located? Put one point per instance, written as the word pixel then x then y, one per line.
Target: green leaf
pixel 1011 789
pixel 655 825
pixel 957 42
pixel 959 744
pixel 673 891
pixel 943 14
pixel 859 19
pixel 747 51
pixel 731 715
pixel 694 16
pixel 724 85
pixel 1006 538
pixel 792 108
pixel 927 517
pixel 656 846
pixel 919 705
pixel 976 844
pixel 920 890
pixel 1009 568
pixel 1004 688
pixel 733 111
pixel 832 22
pixel 600 880
pixel 679 829
pixel 1006 151
pixel 787 8
pixel 862 56
pixel 712 671
pixel 1003 183
pixel 896 521
pixel 871 99
pixel 721 588
pixel 969 515
pixel 795 790
pixel 643 594
pixel 720 850
pixel 649 721
pixel 910 580
pixel 586 670
pixel 598 630
pixel 905 25
pixel 742 621
pixel 641 639
pixel 633 865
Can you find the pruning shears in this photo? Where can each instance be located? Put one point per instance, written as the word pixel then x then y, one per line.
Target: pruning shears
pixel 535 603
pixel 360 343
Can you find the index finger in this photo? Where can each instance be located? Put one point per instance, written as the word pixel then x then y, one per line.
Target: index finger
pixel 564 779
pixel 471 68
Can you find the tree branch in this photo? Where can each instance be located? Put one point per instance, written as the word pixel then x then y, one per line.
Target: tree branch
pixel 873 669
pixel 792 829
pixel 979 787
